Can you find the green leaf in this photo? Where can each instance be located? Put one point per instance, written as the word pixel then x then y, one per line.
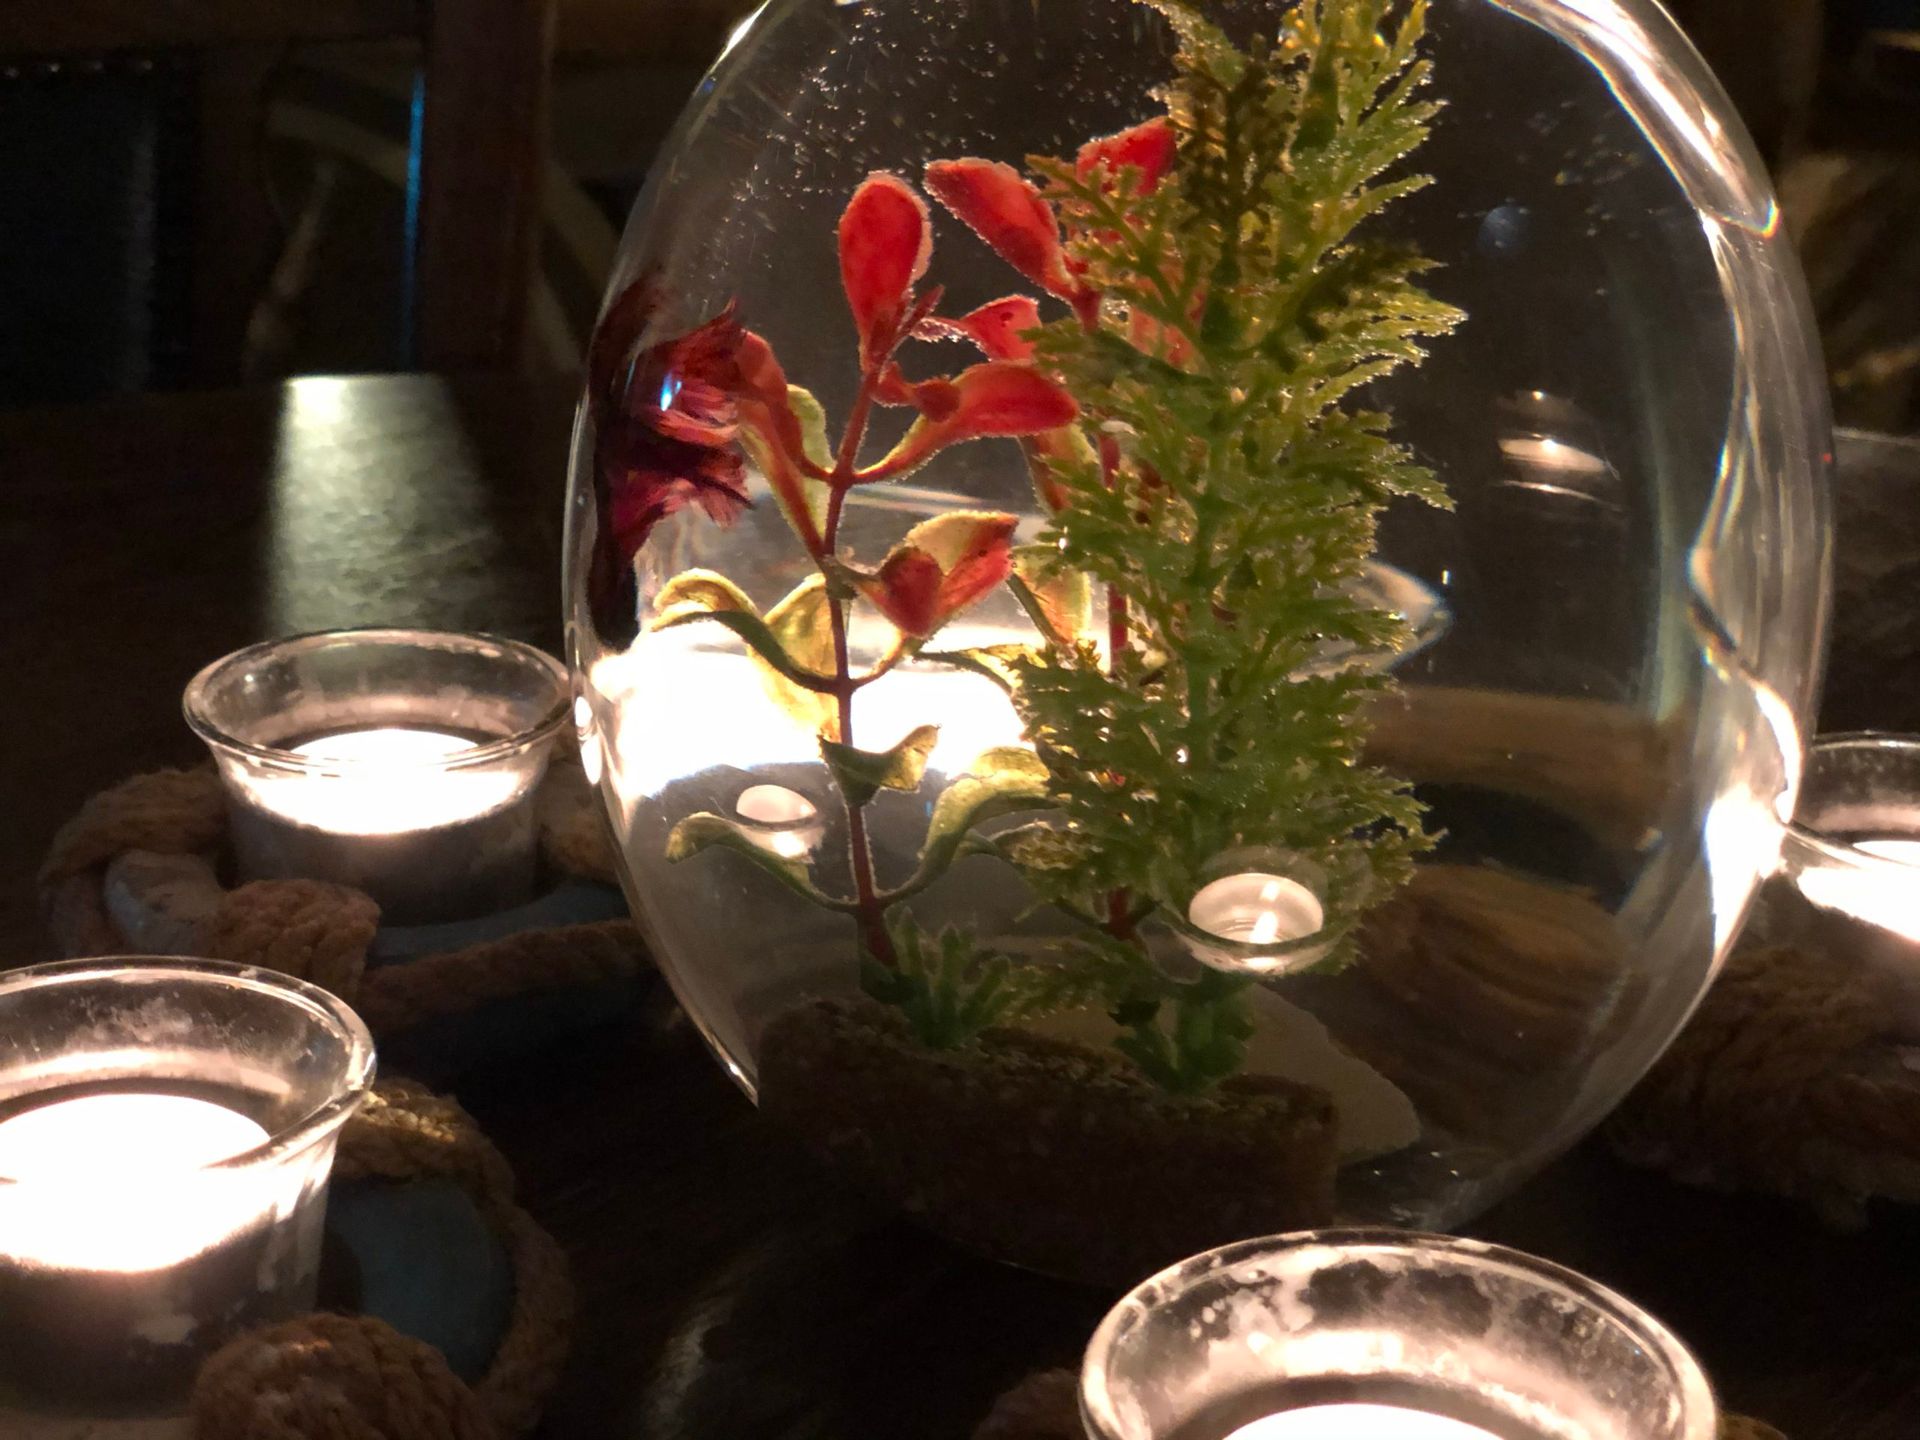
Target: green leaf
pixel 948 988
pixel 1005 780
pixel 863 773
pixel 802 625
pixel 813 439
pixel 696 594
pixel 705 831
pixel 792 642
pixel 1056 596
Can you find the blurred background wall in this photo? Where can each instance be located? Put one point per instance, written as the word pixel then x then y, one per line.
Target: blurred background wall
pixel 109 230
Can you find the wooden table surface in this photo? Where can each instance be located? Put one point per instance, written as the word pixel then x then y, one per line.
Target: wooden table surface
pixel 729 1291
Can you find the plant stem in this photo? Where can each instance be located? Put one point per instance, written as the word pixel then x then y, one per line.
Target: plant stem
pixel 870 915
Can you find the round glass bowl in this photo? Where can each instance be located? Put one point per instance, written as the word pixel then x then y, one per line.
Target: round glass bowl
pixel 401 762
pixel 1609 643
pixel 1485 1336
pixel 167 1128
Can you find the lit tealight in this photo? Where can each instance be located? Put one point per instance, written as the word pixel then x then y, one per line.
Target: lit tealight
pixel 1878 894
pixel 385 780
pixel 1258 910
pixel 1359 1422
pixel 78 1171
pixel 780 821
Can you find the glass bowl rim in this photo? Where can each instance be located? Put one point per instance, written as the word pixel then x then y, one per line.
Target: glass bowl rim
pixel 1803 837
pixel 347 1094
pixel 193 702
pixel 1698 1409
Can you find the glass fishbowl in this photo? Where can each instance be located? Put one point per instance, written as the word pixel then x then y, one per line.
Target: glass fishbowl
pixel 1196 616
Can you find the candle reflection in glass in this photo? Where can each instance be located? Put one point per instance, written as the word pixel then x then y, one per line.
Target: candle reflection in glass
pixel 401 762
pixel 781 821
pixel 1384 1335
pixel 167 1130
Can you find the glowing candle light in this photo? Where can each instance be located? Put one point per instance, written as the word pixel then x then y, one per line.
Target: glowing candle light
pixel 781 821
pixel 1887 895
pixel 70 1166
pixel 386 780
pixel 1359 1422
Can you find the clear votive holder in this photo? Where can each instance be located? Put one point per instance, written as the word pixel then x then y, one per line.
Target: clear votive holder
pixel 1385 1335
pixel 167 1128
pixel 1849 878
pixel 402 762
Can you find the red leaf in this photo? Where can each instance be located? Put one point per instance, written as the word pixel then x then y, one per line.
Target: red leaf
pixel 1148 147
pixel 906 590
pixel 987 562
pixel 1008 212
pixel 1000 397
pixel 996 327
pixel 765 407
pixel 885 243
pixel 943 565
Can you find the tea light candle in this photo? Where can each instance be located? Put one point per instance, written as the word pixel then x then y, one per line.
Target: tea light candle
pixel 403 763
pixel 1384 1335
pixel 167 1130
pixel 1255 910
pixel 1359 1422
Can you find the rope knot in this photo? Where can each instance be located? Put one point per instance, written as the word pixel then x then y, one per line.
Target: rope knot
pixel 340 1377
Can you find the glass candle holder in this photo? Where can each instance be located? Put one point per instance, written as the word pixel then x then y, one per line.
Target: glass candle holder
pixel 401 762
pixel 1342 1334
pixel 1849 880
pixel 1259 911
pixel 167 1128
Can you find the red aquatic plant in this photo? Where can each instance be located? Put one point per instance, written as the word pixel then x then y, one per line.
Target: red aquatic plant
pixel 670 417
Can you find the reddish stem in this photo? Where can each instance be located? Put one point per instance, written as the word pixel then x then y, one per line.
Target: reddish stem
pixel 870 916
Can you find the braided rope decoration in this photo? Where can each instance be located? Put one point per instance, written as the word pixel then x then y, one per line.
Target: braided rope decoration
pixel 1046 1406
pixel 353 1377
pixel 1791 1079
pixel 130 870
pixel 148 838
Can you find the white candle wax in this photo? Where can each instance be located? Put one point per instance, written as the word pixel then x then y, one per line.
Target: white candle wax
pixel 113 1182
pixel 1880 895
pixel 388 780
pixel 1359 1422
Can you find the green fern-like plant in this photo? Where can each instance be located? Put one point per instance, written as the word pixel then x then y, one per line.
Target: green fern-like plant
pixel 1250 491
